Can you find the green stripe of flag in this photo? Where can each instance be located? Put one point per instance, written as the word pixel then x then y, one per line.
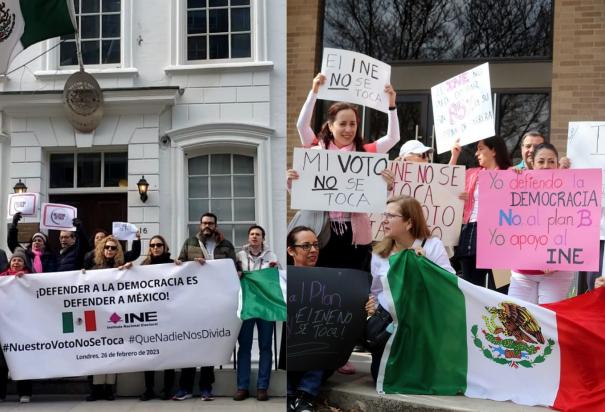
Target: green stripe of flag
pixel 68 322
pixel 45 19
pixel 428 353
pixel 262 295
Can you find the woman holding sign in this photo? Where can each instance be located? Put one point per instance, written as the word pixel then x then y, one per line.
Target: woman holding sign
pixel 538 286
pixel 404 228
pixel 492 155
pixel 108 254
pixel 350 233
pixel 303 387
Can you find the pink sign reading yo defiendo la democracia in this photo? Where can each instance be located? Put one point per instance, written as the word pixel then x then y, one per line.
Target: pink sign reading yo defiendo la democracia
pixel 539 219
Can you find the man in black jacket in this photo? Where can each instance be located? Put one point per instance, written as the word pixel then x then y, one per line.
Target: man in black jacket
pixel 74 246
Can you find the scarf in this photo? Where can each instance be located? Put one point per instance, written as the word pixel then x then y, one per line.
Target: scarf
pixel 37 261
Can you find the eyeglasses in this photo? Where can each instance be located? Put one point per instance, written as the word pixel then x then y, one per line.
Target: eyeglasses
pixel 154 245
pixel 108 247
pixel 307 246
pixel 390 216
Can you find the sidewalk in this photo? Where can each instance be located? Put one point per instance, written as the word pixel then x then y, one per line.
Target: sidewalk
pixel 357 393
pixel 62 403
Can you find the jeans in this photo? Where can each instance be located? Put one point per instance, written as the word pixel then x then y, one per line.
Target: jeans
pixel 306 381
pixel 188 376
pixel 265 338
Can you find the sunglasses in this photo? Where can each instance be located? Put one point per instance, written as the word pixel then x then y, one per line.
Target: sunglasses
pixel 107 247
pixel 154 245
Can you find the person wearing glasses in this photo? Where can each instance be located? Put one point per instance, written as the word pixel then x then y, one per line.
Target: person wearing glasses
pixel 39 258
pixel 303 387
pixel 209 243
pixel 108 254
pixel 414 151
pixel 491 154
pixel 158 253
pixel 129 256
pixel 530 141
pixel 254 256
pixel 404 228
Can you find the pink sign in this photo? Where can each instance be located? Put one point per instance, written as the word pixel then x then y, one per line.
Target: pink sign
pixel 539 219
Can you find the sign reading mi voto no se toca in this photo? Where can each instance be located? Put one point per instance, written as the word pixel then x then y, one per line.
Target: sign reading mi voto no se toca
pixel 355 78
pixel 338 181
pixel 539 219
pixel 111 321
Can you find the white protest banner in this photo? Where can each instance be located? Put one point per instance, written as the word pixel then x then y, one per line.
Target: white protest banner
pixel 124 231
pixel 339 181
pixel 437 187
pixel 25 203
pixel 586 149
pixel 111 321
pixel 355 78
pixel 462 108
pixel 56 216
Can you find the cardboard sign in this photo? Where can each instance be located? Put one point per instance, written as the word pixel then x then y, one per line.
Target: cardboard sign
pixel 326 316
pixel 462 108
pixel 339 181
pixel 436 187
pixel 355 78
pixel 586 149
pixel 26 203
pixel 124 231
pixel 56 216
pixel 539 219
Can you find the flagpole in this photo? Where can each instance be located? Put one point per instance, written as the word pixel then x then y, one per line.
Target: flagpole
pixel 79 49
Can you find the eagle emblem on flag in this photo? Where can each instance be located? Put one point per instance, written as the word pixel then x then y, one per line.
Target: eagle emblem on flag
pixel 512 336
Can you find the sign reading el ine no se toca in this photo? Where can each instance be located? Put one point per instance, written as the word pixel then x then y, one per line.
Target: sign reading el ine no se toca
pixel 339 181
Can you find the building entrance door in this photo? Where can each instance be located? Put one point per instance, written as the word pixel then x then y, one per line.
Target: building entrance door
pixel 97 211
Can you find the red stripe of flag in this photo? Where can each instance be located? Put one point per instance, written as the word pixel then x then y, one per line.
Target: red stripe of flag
pixel 581 330
pixel 90 321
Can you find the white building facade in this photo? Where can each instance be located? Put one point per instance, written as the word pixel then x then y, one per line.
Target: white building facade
pixel 194 100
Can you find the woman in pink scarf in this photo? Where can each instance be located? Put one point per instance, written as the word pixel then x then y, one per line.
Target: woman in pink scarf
pixel 350 233
pixel 38 258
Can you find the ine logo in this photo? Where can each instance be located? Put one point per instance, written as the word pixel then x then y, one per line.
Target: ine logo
pixel 133 319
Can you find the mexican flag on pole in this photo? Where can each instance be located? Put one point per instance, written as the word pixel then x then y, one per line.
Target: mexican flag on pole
pixel 452 337
pixel 25 22
pixel 263 295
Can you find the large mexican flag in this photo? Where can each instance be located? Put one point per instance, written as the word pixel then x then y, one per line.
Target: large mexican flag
pixel 452 337
pixel 25 22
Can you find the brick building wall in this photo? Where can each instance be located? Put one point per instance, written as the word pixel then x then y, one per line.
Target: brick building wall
pixel 578 85
pixel 303 54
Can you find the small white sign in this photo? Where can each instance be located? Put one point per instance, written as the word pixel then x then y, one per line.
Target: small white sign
pixel 124 231
pixel 355 78
pixel 586 150
pixel 26 203
pixel 339 181
pixel 462 108
pixel 56 216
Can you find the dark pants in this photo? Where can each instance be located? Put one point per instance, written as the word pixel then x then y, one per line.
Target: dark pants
pixel 341 253
pixel 307 381
pixel 168 381
pixel 188 376
pixel 592 276
pixel 474 275
pixel 24 388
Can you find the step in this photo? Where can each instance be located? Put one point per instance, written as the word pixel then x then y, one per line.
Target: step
pixel 133 384
pixel 358 393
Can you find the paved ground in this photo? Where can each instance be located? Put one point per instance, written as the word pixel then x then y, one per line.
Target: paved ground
pixel 356 393
pixel 56 403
